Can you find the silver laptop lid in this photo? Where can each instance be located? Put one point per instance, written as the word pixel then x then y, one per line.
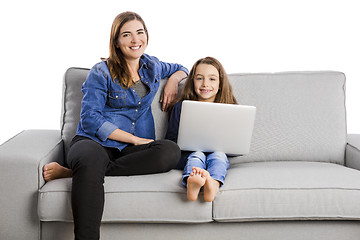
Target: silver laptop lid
pixel 210 127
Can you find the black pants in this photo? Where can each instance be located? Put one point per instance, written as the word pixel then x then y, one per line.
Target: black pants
pixel 91 162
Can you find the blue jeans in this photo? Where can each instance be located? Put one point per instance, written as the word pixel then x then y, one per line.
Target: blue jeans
pixel 215 163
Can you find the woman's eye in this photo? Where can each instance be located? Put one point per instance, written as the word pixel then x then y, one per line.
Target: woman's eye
pixel 199 78
pixel 141 32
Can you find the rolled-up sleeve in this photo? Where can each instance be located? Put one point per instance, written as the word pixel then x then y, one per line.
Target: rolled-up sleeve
pixel 105 130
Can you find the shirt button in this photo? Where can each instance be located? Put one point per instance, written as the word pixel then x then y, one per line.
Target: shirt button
pixel 136 110
pixel 139 102
pixel 117 96
pixel 133 123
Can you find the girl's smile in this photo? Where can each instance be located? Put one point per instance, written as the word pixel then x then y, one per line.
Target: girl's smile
pixel 206 82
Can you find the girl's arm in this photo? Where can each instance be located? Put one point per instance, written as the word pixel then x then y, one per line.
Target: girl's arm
pixel 173 126
pixel 171 88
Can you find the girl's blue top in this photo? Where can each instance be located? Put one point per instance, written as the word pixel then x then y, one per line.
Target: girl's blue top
pixel 106 105
pixel 174 120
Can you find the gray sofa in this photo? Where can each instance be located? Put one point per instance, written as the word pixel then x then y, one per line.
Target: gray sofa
pixel 301 179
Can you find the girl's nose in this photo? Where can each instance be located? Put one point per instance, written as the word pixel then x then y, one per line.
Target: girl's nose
pixel 205 83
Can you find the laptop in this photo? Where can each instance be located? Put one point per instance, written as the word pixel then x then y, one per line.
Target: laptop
pixel 210 127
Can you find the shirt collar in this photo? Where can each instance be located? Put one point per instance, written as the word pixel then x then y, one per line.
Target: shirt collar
pixel 143 63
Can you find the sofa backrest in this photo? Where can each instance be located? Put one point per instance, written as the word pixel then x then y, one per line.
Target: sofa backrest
pixel 71 103
pixel 300 115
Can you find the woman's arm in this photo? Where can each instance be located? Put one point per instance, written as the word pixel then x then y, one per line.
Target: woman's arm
pixel 92 121
pixel 171 88
pixel 122 136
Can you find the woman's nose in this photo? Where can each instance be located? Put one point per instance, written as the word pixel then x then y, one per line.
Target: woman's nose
pixel 134 38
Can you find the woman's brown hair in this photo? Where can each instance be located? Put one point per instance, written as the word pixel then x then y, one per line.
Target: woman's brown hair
pixel 116 61
pixel 225 93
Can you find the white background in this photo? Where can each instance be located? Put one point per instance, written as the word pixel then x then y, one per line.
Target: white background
pixel 41 39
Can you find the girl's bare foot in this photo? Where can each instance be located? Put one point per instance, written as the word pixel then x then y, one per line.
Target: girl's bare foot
pixel 194 183
pixel 211 187
pixel 54 170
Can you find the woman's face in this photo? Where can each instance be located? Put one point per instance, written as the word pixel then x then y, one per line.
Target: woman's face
pixel 206 82
pixel 132 40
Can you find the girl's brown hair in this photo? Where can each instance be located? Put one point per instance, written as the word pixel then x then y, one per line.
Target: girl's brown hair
pixel 116 61
pixel 225 93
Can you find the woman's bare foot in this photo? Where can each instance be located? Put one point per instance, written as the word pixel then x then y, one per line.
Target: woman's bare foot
pixel 54 170
pixel 194 183
pixel 211 187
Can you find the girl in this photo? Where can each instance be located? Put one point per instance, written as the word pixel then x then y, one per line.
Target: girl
pixel 115 135
pixel 207 82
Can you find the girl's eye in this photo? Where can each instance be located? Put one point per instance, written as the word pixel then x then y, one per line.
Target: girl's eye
pixel 141 32
pixel 126 35
pixel 198 78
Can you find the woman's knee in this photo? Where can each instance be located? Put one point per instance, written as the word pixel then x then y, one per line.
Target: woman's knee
pixel 169 154
pixel 87 154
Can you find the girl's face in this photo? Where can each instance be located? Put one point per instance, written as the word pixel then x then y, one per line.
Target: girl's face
pixel 206 82
pixel 132 40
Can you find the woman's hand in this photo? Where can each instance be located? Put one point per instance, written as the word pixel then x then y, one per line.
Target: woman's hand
pixel 140 141
pixel 171 89
pixel 169 93
pixel 122 136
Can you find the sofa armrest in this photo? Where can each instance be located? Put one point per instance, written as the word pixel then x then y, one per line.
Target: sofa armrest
pixel 352 156
pixel 21 161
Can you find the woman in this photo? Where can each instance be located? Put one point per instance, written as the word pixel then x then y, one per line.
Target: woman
pixel 115 135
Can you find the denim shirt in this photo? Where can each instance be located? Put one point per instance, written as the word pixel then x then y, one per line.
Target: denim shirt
pixel 106 105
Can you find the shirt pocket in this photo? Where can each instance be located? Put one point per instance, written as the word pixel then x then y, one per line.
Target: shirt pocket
pixel 117 99
pixel 155 84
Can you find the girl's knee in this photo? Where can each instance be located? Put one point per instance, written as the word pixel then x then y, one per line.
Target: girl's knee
pixel 199 155
pixel 219 157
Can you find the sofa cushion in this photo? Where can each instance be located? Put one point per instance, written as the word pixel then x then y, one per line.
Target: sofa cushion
pixel 300 115
pixel 148 198
pixel 288 191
